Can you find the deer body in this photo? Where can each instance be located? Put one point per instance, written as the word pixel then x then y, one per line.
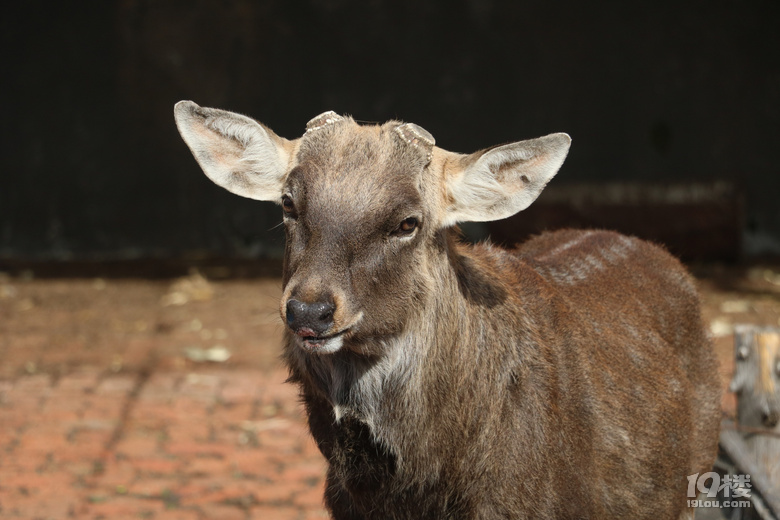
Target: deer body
pixel 570 378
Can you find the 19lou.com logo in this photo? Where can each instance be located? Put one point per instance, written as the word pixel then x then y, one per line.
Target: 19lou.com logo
pixel 723 490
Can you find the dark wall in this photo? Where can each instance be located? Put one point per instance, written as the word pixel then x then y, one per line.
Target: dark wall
pixel 92 164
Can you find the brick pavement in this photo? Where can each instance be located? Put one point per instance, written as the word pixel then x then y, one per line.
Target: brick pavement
pixel 208 443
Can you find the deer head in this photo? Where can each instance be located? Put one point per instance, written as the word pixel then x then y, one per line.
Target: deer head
pixel 365 208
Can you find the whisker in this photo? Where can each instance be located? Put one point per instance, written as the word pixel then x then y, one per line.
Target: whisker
pixel 276 226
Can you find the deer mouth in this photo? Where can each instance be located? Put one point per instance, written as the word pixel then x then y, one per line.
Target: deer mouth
pixel 310 342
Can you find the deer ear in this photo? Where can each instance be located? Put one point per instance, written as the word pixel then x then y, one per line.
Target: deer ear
pixel 236 152
pixel 499 182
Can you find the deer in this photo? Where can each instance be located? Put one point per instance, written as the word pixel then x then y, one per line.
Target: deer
pixel 568 378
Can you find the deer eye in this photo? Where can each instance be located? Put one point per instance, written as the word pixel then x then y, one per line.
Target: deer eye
pixel 406 227
pixel 288 206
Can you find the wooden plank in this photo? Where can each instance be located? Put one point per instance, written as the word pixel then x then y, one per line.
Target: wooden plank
pixel 754 442
pixel 735 447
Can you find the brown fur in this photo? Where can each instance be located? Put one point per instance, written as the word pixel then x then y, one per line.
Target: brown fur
pixel 570 378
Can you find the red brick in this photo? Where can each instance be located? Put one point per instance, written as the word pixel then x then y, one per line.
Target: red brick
pixel 277 391
pixel 232 499
pixel 39 484
pixel 316 514
pixel 18 462
pixel 77 383
pixel 76 454
pixel 215 490
pixel 304 471
pixel 81 469
pixel 89 439
pixel 159 388
pixel 232 436
pixel 233 414
pixel 137 445
pixel 116 386
pixel 281 441
pixel 57 409
pixel 262 463
pixel 200 387
pixel 153 487
pixel 195 448
pixel 102 408
pixel 180 455
pixel 16 417
pixel 121 507
pixel 100 424
pixel 41 442
pixel 6 387
pixel 157 465
pixel 214 466
pixel 62 404
pixel 178 514
pixel 310 449
pixel 7 435
pixel 222 512
pixel 189 409
pixel 238 391
pixel 276 492
pixel 117 473
pixel 35 505
pixel 52 422
pixel 310 498
pixel 153 415
pixel 30 384
pixel 188 431
pixel 274 513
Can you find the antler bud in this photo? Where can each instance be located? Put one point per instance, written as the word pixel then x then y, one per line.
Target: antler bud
pixel 326 118
pixel 417 136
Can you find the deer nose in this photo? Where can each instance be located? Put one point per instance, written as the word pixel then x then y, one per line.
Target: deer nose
pixel 309 319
